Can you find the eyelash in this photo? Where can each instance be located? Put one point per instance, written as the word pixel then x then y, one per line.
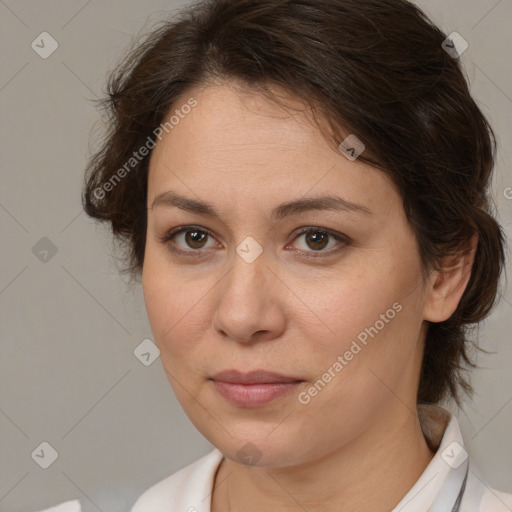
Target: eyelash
pixel 169 236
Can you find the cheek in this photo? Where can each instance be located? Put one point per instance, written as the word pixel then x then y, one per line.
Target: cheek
pixel 175 309
pixel 162 297
pixel 370 316
pixel 173 316
pixel 351 303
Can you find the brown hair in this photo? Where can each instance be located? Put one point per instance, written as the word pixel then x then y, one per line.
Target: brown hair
pixel 377 68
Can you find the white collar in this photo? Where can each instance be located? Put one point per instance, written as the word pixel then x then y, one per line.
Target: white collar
pixel 441 481
pixel 440 428
pixel 189 489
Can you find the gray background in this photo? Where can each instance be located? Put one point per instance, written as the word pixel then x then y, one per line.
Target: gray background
pixel 69 326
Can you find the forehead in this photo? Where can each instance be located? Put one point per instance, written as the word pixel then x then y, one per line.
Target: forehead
pixel 231 120
pixel 240 144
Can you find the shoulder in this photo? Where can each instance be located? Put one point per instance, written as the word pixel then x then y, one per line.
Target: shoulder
pixel 68 506
pixel 184 489
pixel 499 501
pixel 481 497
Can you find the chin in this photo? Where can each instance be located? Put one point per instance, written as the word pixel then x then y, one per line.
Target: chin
pixel 260 451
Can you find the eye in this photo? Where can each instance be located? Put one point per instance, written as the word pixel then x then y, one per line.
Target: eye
pixel 195 238
pixel 318 239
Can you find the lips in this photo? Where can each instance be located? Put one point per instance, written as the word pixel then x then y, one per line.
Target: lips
pixel 253 389
pixel 253 377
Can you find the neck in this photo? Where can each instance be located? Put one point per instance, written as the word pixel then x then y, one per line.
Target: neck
pixel 371 473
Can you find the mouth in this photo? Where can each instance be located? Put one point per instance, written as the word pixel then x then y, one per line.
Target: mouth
pixel 255 388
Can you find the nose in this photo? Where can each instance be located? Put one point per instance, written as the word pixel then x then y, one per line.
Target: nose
pixel 250 302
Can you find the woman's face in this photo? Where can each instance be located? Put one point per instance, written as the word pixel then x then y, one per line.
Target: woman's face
pixel 246 289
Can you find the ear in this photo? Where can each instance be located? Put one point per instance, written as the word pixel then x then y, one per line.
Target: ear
pixel 448 285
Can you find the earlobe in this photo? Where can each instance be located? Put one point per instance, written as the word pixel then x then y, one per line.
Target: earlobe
pixel 448 285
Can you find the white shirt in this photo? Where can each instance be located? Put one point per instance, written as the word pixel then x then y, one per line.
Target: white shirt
pixel 190 489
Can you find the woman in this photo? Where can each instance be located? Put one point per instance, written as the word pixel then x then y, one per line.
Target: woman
pixel 303 188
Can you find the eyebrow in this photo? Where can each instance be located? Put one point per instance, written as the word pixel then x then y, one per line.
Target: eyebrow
pixel 333 203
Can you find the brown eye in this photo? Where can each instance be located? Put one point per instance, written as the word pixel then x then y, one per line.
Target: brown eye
pixel 190 240
pixel 316 240
pixel 187 240
pixel 195 239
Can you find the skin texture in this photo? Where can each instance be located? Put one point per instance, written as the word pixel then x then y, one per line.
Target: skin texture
pixel 357 444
